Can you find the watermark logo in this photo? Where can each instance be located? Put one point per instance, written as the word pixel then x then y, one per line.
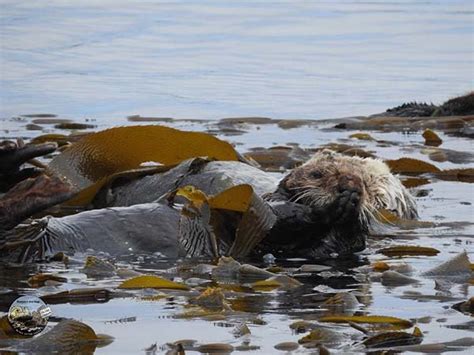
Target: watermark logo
pixel 28 315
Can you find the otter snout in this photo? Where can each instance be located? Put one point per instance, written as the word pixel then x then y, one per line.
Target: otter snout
pixel 349 182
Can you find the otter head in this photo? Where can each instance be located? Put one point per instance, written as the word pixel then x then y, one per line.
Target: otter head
pixel 356 188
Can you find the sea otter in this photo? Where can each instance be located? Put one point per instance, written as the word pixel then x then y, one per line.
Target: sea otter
pixel 323 208
pixel 345 195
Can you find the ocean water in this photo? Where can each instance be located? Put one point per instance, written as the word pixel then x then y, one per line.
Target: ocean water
pixel 101 61
pixel 212 59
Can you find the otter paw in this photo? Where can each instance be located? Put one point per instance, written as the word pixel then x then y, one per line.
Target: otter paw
pixel 346 206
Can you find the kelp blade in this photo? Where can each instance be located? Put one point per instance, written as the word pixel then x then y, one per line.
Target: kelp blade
pixel 403 250
pixel 257 220
pixel 100 155
pixel 372 319
pixel 411 166
pixel 87 195
pixel 151 281
pixel 236 198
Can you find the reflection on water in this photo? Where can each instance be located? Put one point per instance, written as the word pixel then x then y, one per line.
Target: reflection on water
pixel 210 59
pixel 138 322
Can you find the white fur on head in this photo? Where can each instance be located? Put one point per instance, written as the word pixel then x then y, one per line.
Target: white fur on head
pixel 387 191
pixel 383 190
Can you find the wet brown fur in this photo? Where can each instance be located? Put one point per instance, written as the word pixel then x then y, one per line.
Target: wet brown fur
pixel 363 185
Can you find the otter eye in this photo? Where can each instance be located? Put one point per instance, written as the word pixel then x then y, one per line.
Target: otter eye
pixel 316 175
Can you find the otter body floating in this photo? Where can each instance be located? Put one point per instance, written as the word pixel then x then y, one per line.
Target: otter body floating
pixel 199 207
pixel 326 206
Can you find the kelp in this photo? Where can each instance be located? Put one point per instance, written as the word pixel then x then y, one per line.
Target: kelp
pixel 393 322
pixel 283 282
pixel 411 182
pixel 96 267
pixel 87 164
pixel 342 301
pixel 237 198
pixel 302 326
pixel 266 285
pixel 80 296
pixel 212 348
pixel 74 125
pixel 202 230
pixel 67 337
pixel 151 281
pixel 405 250
pixel 466 307
pixel 279 157
pixel 438 348
pixel 462 175
pixel 241 330
pixel 211 298
pixel 60 139
pixel 256 221
pixel 386 216
pixel 287 346
pixel 431 138
pixel 380 266
pixel 98 192
pixel 362 136
pixel 320 335
pixel 203 313
pixel 411 166
pixel 231 271
pixel 40 279
pixel 390 339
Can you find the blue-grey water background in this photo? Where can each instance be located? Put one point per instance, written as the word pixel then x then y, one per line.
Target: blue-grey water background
pixel 211 59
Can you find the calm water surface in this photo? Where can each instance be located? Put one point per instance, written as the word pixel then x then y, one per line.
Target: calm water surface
pixel 211 59
pixel 137 323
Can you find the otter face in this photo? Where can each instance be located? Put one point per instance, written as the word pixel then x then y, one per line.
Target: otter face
pixel 328 183
pixel 348 188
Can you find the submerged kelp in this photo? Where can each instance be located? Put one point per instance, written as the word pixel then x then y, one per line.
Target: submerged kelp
pixel 211 300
